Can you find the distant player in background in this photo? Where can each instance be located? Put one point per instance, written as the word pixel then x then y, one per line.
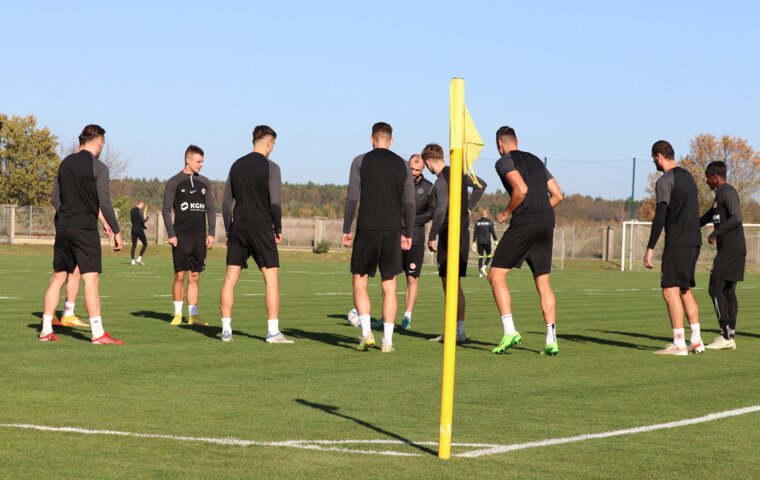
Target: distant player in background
pixel 252 215
pixel 138 231
pixel 482 235
pixel 381 184
pixel 80 190
pixel 189 195
pixel 439 230
pixel 533 195
pixel 677 212
pixel 728 266
pixel 413 258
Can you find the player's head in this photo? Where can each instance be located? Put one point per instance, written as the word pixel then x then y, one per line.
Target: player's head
pixel 715 174
pixel 506 140
pixel 416 165
pixel 382 135
pixel 93 137
pixel 485 213
pixel 263 139
pixel 140 204
pixel 432 154
pixel 662 153
pixel 193 159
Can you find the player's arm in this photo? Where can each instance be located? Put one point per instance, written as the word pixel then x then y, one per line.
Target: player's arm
pixel 106 227
pixel 275 202
pixel 210 214
pixel 104 198
pixel 441 192
pixel 555 193
pixel 56 198
pixel 478 186
pixel 519 192
pixel 227 206
pixel 731 201
pixel 410 205
pixel 706 218
pixel 352 198
pixel 170 193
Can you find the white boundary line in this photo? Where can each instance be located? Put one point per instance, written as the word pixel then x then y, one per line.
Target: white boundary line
pixel 334 445
pixel 615 433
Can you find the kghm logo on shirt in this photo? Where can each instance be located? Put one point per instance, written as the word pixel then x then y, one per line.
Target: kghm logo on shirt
pixel 193 206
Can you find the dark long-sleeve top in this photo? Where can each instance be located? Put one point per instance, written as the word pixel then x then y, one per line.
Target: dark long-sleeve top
pixel 252 195
pixel 191 199
pixel 441 191
pixel 726 216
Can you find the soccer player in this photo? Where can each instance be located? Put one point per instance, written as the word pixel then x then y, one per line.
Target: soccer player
pixel 728 266
pixel 533 195
pixel 189 195
pixel 252 216
pixel 677 212
pixel 81 188
pixel 138 231
pixel 439 230
pixel 482 235
pixel 380 182
pixel 413 258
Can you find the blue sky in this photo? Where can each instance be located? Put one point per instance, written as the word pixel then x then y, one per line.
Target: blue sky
pixel 589 85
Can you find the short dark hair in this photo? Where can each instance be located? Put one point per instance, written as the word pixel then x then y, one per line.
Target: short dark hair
pixel 193 149
pixel 718 168
pixel 432 150
pixel 90 132
pixel 506 132
pixel 261 131
pixel 663 148
pixel 382 128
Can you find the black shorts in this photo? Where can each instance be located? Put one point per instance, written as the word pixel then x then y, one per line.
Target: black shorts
pixel 443 251
pixel 189 254
pixel 530 243
pixel 678 265
pixel 484 249
pixel 413 259
pixel 729 267
pixel 74 248
pixel 139 236
pixel 259 245
pixel 376 248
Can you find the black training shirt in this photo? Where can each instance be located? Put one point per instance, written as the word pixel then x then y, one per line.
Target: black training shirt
pixel 726 217
pixel 484 230
pixel 536 208
pixel 254 187
pixel 137 220
pixel 190 197
pixel 441 192
pixel 677 191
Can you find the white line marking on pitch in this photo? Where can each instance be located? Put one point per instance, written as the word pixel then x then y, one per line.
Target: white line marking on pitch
pixel 8 298
pixel 332 445
pixel 615 433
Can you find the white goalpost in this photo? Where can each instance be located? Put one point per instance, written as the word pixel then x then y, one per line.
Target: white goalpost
pixel 635 235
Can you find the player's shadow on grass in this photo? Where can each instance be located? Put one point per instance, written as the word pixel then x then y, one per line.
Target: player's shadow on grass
pixel 60 331
pixel 333 339
pixel 639 335
pixel 334 411
pixel 602 341
pixel 738 333
pixel 211 331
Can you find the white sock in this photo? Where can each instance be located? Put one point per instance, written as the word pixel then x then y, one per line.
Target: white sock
pixel 226 324
pixel 178 307
pixel 678 337
pixel 273 326
pixel 509 325
pixel 551 333
pixel 388 332
pixel 364 320
pixel 139 258
pixel 460 328
pixel 47 325
pixel 408 314
pixel 97 327
pixel 192 310
pixel 695 335
pixel 68 309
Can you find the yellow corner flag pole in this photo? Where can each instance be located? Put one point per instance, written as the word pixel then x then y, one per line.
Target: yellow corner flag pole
pixel 456 143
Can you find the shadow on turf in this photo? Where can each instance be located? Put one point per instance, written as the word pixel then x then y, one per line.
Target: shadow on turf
pixel 214 332
pixel 334 411
pixel 637 335
pixel 602 341
pixel 333 339
pixel 738 333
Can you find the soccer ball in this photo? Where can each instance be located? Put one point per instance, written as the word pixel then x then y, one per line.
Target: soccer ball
pixel 353 318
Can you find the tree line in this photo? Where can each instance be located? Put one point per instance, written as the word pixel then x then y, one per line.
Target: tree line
pixel 29 159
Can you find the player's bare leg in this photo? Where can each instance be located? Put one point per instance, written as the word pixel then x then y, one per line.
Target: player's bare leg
pixel 92 304
pixel 674 302
pixel 193 280
pixel 272 302
pixel 691 309
pixel 227 299
pixel 390 307
pixel 363 307
pixel 52 296
pixel 178 296
pixel 460 312
pixel 412 289
pixel 497 277
pixel 549 309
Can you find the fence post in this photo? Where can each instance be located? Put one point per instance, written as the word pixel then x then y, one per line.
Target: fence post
pixel 319 230
pixel 159 229
pixel 12 223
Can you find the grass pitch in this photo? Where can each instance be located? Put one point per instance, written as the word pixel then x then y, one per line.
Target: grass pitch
pixel 380 411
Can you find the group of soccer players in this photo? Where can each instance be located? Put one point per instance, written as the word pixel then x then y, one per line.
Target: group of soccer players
pixel 395 202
